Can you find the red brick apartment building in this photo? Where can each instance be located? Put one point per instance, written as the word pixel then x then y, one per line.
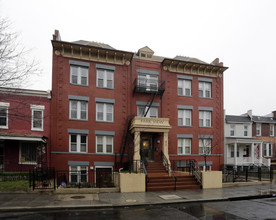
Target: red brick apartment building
pixel 24 129
pixel 110 106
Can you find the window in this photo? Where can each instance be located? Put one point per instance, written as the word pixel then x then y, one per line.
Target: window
pixel 151 113
pixel 245 132
pixel 78 174
pixel 232 130
pixel 184 146
pixel 4 114
pixel 205 146
pixel 78 110
pixel 149 82
pixel 28 153
pixel 78 143
pixel 272 130
pixel 205 118
pixel 232 151
pixel 205 89
pixel 37 117
pixel 184 87
pixel 268 150
pixel 258 129
pixel 184 117
pixel 79 75
pixel 105 78
pixel 104 144
pixel 104 112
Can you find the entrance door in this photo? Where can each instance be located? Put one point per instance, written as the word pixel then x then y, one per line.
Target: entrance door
pixel 146 147
pixel 104 177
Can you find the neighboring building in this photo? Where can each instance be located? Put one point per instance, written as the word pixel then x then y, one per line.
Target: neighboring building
pixel 110 106
pixel 24 129
pixel 249 140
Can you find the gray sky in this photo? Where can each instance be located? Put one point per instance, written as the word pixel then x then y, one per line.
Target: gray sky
pixel 241 33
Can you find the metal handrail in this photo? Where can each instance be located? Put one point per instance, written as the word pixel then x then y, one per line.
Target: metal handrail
pixel 196 172
pixel 168 168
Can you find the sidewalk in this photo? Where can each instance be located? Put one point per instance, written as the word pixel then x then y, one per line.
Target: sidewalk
pixel 10 202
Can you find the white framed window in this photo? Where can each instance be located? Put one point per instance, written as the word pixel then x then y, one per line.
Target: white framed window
pixel 37 117
pixel 105 78
pixel 78 110
pixel 104 144
pixel 27 153
pixel 79 75
pixel 184 117
pixel 245 131
pixel 4 110
pixel 151 113
pixel 104 112
pixel 205 118
pixel 232 130
pixel 258 129
pixel 205 89
pixel 78 174
pixel 184 87
pixel 184 146
pixel 149 82
pixel 271 130
pixel 205 146
pixel 78 143
pixel 268 150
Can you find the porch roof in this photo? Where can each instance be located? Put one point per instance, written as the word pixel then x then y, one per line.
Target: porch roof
pixel 232 140
pixel 23 137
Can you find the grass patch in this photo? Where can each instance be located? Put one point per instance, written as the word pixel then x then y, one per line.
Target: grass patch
pixel 20 185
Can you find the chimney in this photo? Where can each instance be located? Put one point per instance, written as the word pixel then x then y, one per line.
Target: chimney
pixel 249 113
pixel 274 115
pixel 56 36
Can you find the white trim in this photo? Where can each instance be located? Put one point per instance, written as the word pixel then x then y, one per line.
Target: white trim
pixel 42 121
pixel 104 138
pixel 26 92
pixel 5 105
pixel 78 143
pixel 22 138
pixel 104 112
pixel 78 110
pixel 38 107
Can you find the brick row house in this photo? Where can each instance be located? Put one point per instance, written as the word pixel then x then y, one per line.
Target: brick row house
pixel 252 138
pixel 110 106
pixel 24 129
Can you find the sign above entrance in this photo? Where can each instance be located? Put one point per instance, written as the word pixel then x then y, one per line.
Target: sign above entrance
pixel 150 124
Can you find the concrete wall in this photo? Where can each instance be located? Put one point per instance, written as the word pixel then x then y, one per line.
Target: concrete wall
pixel 132 182
pixel 211 179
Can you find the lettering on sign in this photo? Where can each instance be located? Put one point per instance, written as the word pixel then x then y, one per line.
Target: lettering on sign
pixel 149 121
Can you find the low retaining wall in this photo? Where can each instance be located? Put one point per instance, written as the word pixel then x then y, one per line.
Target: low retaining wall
pixel 211 179
pixel 132 182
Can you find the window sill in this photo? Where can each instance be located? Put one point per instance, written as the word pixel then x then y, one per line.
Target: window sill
pixel 73 84
pixel 205 127
pixel 206 98
pixel 4 127
pixel 73 119
pixel 105 121
pixel 28 163
pixel 104 88
pixel 36 129
pixel 185 96
pixel 185 126
pixel 102 153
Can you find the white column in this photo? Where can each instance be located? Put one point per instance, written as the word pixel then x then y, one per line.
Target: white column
pixel 261 153
pixel 136 153
pixel 252 152
pixel 235 155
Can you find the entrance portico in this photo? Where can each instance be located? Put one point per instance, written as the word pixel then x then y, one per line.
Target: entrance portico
pixel 141 126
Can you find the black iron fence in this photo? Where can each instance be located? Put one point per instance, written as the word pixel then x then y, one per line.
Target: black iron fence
pixel 247 174
pixel 42 179
pixel 101 178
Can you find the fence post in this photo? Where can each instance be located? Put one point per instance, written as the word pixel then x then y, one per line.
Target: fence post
pixel 260 173
pixel 246 174
pixel 33 180
pixel 233 175
pixel 271 174
pixel 54 173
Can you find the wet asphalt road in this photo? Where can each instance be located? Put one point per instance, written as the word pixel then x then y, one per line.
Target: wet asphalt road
pixel 243 209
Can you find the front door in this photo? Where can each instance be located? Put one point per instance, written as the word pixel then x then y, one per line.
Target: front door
pixel 146 147
pixel 104 177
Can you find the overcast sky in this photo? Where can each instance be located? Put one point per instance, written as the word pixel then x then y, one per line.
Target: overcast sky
pixel 242 34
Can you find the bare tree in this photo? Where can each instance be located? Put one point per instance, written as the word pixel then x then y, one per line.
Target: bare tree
pixel 15 66
pixel 206 147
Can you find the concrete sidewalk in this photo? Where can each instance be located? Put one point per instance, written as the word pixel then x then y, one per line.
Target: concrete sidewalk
pixel 10 202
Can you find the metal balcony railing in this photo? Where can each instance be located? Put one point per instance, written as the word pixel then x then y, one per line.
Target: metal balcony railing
pixel 149 86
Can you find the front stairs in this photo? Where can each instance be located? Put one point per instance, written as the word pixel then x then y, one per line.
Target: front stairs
pixel 159 180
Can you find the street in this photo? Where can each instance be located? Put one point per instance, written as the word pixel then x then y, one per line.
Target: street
pixel 242 209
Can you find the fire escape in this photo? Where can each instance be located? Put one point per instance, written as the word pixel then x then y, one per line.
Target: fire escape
pixel 152 87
